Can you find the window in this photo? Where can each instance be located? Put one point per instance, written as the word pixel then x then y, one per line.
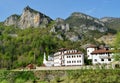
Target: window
pixel 69 56
pixel 69 61
pixel 72 56
pixel 95 60
pixel 74 61
pixel 79 55
pixel 88 50
pixel 109 59
pixel 102 59
pixel 79 61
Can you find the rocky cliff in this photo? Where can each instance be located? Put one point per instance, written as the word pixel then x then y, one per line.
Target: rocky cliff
pixel 77 25
pixel 112 22
pixel 84 21
pixel 29 18
pixel 12 20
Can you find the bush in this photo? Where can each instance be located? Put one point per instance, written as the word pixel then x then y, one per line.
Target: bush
pixel 19 80
pixel 4 81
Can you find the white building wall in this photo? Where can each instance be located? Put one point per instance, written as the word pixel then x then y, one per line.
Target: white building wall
pixel 97 58
pixel 57 60
pixel 74 60
pixel 89 51
pixel 68 58
pixel 48 63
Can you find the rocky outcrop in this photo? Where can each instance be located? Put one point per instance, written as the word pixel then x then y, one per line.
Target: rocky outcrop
pixel 12 20
pixel 112 22
pixel 78 19
pixel 76 25
pixel 29 18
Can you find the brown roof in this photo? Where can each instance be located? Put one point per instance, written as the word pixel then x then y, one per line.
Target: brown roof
pixel 101 51
pixel 92 46
pixel 30 66
pixel 62 49
pixel 73 53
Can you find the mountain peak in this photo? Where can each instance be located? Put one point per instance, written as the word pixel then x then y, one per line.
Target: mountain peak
pixel 28 8
pixel 77 14
pixel 29 18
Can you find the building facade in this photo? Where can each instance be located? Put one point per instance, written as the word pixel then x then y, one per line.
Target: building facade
pixel 100 55
pixel 66 57
pixel 89 50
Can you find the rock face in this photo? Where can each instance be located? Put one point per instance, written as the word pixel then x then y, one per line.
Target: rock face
pixel 12 20
pixel 76 25
pixel 29 18
pixel 91 23
pixel 112 22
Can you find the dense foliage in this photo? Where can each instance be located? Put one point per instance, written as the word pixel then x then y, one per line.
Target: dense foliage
pixel 20 47
pixel 16 77
pixel 67 76
pixel 117 47
pixel 114 24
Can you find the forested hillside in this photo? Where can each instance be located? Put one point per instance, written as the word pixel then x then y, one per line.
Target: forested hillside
pixel 24 38
pixel 20 47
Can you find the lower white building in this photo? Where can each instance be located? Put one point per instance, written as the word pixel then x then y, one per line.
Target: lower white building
pixel 102 56
pixel 66 57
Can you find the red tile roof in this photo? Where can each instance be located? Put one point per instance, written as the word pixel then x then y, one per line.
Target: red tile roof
pixel 101 51
pixel 62 49
pixel 73 53
pixel 92 46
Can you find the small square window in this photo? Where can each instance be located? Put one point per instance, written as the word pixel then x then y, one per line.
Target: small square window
pixel 72 56
pixel 95 60
pixel 109 59
pixel 102 59
pixel 74 61
pixel 69 61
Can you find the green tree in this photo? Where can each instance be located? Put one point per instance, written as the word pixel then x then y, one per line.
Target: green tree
pixel 117 47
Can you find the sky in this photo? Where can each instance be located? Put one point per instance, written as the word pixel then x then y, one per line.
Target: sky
pixel 62 8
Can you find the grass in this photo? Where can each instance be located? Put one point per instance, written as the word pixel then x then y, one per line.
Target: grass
pixel 62 76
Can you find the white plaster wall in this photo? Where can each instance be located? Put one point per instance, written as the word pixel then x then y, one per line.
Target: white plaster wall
pixel 75 60
pixel 89 51
pixel 57 61
pixel 97 57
